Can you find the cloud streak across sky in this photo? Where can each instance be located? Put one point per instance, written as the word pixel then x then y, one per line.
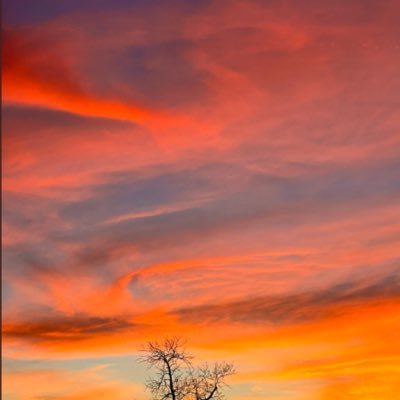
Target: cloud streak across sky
pixel 227 169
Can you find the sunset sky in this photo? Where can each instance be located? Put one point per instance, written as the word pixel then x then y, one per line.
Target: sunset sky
pixel 225 171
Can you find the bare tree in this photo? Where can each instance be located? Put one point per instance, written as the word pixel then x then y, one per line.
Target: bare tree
pixel 177 379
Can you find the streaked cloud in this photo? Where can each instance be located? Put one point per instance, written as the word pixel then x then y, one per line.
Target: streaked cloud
pixel 223 169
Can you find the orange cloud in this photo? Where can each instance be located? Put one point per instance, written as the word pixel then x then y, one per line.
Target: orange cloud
pixel 33 75
pixel 224 171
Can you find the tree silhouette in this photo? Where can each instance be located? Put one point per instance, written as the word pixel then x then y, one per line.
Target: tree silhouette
pixel 177 379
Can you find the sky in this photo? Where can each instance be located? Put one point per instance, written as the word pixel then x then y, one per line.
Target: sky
pixel 224 171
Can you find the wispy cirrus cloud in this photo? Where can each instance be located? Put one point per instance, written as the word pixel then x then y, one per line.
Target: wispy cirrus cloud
pixel 298 308
pixel 66 328
pixel 225 169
